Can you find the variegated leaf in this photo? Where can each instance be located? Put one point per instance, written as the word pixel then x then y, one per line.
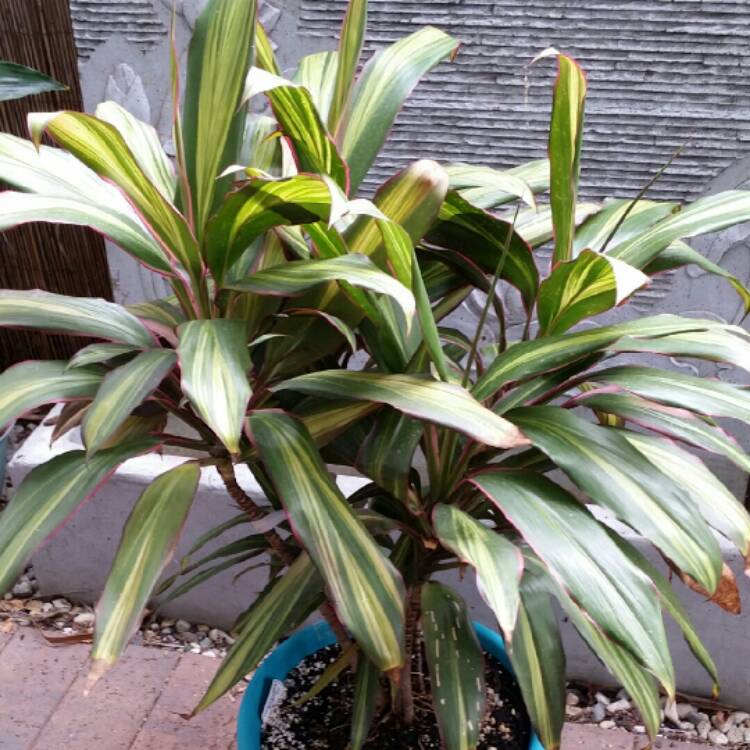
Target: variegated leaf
pixel 82 316
pixel 384 84
pixel 100 147
pixel 30 384
pixel 264 56
pixel 495 187
pixel 443 403
pixel 96 353
pixel 220 54
pixel 317 74
pixel 147 544
pixel 366 589
pixel 214 362
pixel 17 81
pixel 582 558
pixel 366 688
pixel 121 391
pixel 498 562
pixel 602 463
pixel 351 40
pixel 47 496
pixel 456 666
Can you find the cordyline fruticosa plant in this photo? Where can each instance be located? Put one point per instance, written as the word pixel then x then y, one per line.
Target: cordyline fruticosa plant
pixel 278 274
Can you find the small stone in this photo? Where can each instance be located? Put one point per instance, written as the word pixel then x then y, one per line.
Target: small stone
pixel 63 605
pixel 735 735
pixel 686 726
pixel 746 735
pixel 189 637
pixel 737 717
pixel 7 596
pixel 217 636
pixel 206 643
pixel 608 724
pixel 47 607
pixel 210 653
pixel 195 648
pixel 154 626
pixel 23 588
pixel 167 623
pixel 598 712
pixel 717 737
pixel 23 622
pixel 85 619
pixel 58 624
pixel 572 699
pixel 573 712
pixel 182 626
pixel 704 727
pixel 622 694
pixel 683 710
pixel 618 706
pixel 166 631
pixel 639 729
pixel 203 628
pixel 719 719
pixel 601 698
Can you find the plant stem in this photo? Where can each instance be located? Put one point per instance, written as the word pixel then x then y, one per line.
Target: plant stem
pixel 405 697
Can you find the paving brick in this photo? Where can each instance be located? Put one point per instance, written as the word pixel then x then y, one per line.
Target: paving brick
pixel 212 729
pixel 660 743
pixel 4 639
pixel 588 737
pixel 111 715
pixel 34 678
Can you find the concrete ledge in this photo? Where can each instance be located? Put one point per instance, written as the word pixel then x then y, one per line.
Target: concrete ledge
pixel 77 559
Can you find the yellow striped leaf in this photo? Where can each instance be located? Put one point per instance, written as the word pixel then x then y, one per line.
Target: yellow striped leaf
pixel 121 391
pixel 213 122
pixel 100 147
pixel 48 495
pixel 317 74
pixel 565 138
pixel 147 545
pixel 386 81
pixel 285 603
pixel 30 384
pixel 456 666
pixel 264 56
pixel 366 589
pixel 59 188
pixel 214 362
pixel 82 316
pixel 581 557
pixel 96 353
pixel 602 463
pixel 143 140
pixel 350 48
pixel 581 288
pixel 366 689
pixel 443 403
pixel 496 187
pixel 17 81
pixel 498 563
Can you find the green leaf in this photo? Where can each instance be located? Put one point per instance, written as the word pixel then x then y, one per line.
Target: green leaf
pixel 582 558
pixel 121 391
pixel 366 687
pixel 95 353
pixel 147 544
pixel 666 420
pixel 679 254
pixel 297 276
pixel 258 206
pixel 17 81
pixel 498 563
pixel 716 503
pixel 482 238
pixel 456 666
pixel 366 589
pixel 709 214
pixel 565 138
pixel 143 140
pixel 83 316
pixel 350 48
pixel 639 216
pixel 444 403
pixel 301 123
pixel 538 659
pixel 527 359
pixel 61 189
pixel 317 74
pixel 264 56
pixel 427 323
pixel 218 60
pixel 48 495
pixel 214 361
pixel 485 187
pixel 536 227
pixel 712 397
pixel 30 384
pixel 100 147
pixel 581 288
pixel 602 463
pixel 285 603
pixel 673 605
pixel 386 81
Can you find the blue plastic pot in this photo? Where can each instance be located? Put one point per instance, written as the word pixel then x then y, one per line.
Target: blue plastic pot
pixel 4 453
pixel 291 652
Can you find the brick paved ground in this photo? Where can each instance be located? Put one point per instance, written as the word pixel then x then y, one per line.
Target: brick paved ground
pixel 137 705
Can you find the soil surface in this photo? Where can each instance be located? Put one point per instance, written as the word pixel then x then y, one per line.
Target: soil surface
pixel 323 722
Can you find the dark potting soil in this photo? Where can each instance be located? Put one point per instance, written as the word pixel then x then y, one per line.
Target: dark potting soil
pixel 323 722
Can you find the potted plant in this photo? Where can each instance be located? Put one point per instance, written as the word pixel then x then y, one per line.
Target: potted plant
pixel 278 274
